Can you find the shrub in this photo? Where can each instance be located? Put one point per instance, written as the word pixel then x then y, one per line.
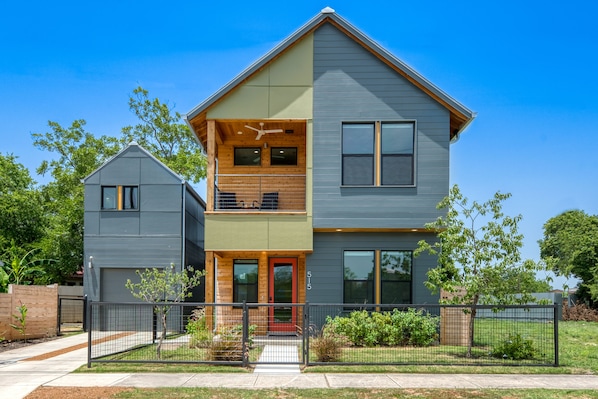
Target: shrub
pixel 327 344
pixel 200 335
pixel 228 343
pixel 515 347
pixel 394 328
pixel 579 312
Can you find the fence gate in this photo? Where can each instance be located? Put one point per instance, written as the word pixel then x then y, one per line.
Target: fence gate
pixel 71 314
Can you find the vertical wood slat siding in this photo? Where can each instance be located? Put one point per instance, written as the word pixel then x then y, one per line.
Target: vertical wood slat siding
pixel 350 84
pixel 326 262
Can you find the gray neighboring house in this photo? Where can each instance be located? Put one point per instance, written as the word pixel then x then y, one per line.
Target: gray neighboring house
pixel 138 214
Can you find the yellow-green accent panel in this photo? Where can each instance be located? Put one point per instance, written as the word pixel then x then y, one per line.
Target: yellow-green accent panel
pixel 281 90
pixel 258 232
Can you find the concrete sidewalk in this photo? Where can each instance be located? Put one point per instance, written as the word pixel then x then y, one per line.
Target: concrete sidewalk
pixel 19 376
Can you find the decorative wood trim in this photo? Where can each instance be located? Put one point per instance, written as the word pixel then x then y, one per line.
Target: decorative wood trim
pixel 211 168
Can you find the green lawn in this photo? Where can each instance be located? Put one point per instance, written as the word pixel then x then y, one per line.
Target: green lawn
pixel 578 354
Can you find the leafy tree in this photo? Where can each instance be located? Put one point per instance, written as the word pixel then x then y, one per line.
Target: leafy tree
pixel 570 248
pixel 78 154
pixel 478 248
pixel 161 132
pixel 22 219
pixel 164 285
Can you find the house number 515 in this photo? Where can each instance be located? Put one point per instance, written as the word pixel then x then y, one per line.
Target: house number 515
pixel 308 280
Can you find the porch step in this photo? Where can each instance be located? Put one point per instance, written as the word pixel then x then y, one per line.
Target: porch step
pixel 279 359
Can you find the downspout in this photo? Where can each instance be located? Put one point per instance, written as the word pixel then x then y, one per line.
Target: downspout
pixel 183 229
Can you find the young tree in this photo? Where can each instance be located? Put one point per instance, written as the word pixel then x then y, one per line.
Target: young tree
pixel 164 135
pixel 165 286
pixel 570 248
pixel 478 252
pixel 79 153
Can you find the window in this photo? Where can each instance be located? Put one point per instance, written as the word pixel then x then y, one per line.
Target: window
pixel 245 280
pixel 377 277
pixel 395 276
pixel 120 197
pixel 378 154
pixel 248 156
pixel 286 156
pixel 109 197
pixel 359 276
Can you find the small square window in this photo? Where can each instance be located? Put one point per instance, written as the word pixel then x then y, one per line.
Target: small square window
pixel 286 156
pixel 109 197
pixel 248 156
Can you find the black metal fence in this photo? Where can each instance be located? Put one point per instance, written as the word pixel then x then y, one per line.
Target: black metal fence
pixel 311 334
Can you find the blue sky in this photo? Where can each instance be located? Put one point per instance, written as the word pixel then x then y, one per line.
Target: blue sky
pixel 526 67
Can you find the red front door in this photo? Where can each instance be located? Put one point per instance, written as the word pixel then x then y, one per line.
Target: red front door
pixel 282 290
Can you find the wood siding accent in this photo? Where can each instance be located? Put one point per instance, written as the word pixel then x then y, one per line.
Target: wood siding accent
pixel 351 84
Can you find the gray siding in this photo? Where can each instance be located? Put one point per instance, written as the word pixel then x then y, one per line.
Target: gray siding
pixel 152 236
pixel 351 84
pixel 326 263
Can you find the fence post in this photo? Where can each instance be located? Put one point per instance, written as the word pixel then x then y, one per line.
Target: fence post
pixel 306 334
pixel 245 338
pixel 89 328
pixel 59 315
pixel 85 321
pixel 556 334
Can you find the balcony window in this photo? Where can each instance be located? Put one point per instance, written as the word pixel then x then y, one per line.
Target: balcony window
pixel 284 156
pixel 245 156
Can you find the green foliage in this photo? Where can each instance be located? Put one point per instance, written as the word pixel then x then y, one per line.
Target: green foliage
pixel 21 267
pixel 570 248
pixel 164 285
pixel 478 254
pixel 515 347
pixel 78 154
pixel 21 320
pixel 396 328
pixel 164 135
pixel 22 217
pixel 200 335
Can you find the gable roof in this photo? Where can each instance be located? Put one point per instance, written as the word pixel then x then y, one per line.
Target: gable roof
pixel 133 145
pixel 460 115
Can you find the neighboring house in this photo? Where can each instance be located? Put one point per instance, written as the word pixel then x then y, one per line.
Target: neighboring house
pixel 325 159
pixel 138 214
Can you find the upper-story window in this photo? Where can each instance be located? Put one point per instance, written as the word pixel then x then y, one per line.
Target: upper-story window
pixel 120 197
pixel 245 156
pixel 378 154
pixel 284 156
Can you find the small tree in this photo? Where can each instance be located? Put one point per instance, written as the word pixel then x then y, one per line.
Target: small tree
pixel 164 285
pixel 478 252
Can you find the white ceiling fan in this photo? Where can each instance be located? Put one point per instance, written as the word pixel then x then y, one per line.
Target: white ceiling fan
pixel 261 131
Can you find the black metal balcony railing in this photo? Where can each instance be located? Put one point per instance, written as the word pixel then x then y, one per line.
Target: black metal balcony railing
pixel 259 193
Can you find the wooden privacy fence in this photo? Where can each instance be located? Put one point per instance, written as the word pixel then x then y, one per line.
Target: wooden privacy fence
pixel 42 310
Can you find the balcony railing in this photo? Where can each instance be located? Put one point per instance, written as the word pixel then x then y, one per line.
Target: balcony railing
pixel 259 193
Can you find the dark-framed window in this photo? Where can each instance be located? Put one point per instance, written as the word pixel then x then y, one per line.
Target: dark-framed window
pixel 248 156
pixel 120 198
pixel 378 154
pixel 395 276
pixel 109 197
pixel 284 156
pixel 358 271
pixel 358 154
pixel 377 276
pixel 245 280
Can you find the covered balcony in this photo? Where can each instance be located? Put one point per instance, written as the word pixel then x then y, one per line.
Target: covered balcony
pixel 256 166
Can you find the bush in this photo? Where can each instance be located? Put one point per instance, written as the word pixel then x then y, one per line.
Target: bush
pixel 228 343
pixel 200 335
pixel 515 347
pixel 394 328
pixel 579 312
pixel 327 344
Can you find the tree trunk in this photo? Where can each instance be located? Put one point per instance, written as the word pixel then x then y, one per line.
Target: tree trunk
pixel 471 330
pixel 163 335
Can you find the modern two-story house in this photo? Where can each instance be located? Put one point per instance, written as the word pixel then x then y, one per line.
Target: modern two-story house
pixel 326 157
